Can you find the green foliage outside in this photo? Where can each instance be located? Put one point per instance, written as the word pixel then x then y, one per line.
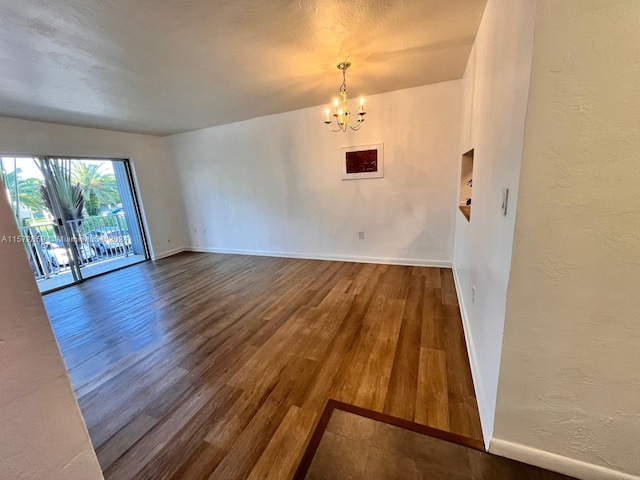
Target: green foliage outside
pixel 92 205
pixel 70 193
pixel 95 183
pixel 84 190
pixel 27 190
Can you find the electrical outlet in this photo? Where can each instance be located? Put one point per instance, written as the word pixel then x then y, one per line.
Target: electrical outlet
pixel 361 235
pixel 473 294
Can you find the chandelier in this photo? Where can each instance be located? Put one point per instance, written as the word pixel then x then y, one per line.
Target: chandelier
pixel 341 114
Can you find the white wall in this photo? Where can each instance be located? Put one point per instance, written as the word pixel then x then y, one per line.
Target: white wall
pixel 272 185
pixel 496 86
pixel 43 435
pixel 570 378
pixel 160 200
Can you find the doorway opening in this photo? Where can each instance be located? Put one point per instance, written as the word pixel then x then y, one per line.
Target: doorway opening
pixel 78 217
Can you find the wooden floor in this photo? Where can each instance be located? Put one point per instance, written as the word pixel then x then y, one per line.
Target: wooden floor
pixel 210 366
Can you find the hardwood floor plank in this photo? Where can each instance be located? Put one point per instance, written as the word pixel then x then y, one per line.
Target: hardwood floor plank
pixel 119 417
pixel 148 448
pixel 449 295
pixel 124 439
pixel 271 357
pixel 400 400
pixel 463 411
pixel 433 322
pixel 212 366
pixel 327 382
pixel 185 442
pixel 245 451
pixel 239 415
pixel 354 362
pixel 379 364
pixel 433 392
pixel 172 397
pixel 362 277
pixel 433 277
pixel 282 454
pixel 200 464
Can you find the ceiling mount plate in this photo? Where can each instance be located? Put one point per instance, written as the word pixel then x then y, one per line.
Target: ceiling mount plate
pixel 344 65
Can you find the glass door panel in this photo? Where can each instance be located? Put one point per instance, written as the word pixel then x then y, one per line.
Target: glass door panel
pixel 26 188
pixel 63 199
pixel 111 227
pixel 77 217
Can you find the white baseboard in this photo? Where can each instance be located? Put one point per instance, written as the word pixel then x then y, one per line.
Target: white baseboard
pixel 486 415
pixel 554 462
pixel 339 258
pixel 168 253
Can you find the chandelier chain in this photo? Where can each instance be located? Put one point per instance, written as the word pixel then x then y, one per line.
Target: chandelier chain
pixel 343 87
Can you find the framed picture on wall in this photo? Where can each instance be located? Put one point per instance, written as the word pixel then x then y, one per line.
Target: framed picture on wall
pixel 364 161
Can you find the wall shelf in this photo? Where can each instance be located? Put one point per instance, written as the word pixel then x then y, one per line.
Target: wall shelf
pixel 466 182
pixel 466 211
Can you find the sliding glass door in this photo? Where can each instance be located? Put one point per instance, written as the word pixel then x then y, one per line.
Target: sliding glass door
pixel 77 217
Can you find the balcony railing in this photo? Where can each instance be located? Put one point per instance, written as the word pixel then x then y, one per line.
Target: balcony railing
pixel 90 240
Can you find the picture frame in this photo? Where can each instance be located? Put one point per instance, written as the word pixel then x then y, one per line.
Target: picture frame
pixel 363 161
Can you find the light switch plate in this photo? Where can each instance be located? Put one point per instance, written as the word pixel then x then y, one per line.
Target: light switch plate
pixel 505 199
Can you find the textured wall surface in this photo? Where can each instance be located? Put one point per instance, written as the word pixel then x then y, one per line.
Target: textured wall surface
pixel 570 376
pixel 273 185
pixel 496 88
pixel 154 172
pixel 43 435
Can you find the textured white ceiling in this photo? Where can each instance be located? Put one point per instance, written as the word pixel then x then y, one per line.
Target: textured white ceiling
pixel 167 66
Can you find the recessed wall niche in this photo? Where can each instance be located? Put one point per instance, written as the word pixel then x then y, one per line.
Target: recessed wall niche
pixel 466 184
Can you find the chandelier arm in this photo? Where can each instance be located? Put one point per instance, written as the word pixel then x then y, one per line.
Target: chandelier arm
pixel 357 127
pixel 341 127
pixel 344 114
